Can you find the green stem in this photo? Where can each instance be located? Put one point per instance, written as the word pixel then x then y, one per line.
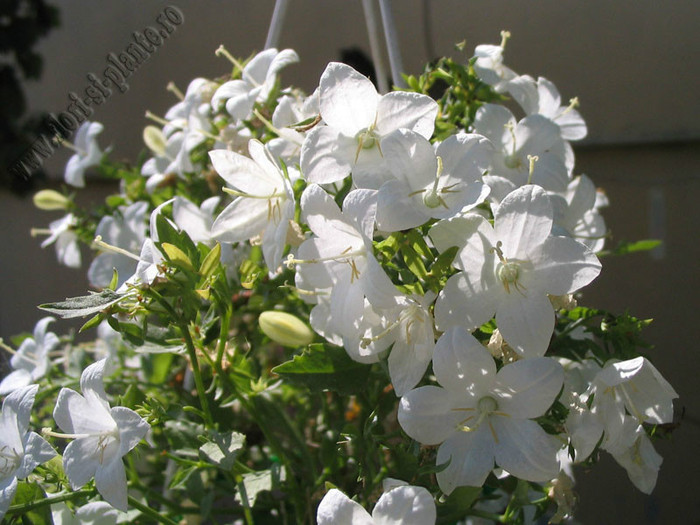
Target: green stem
pixel 199 384
pixel 248 515
pixel 223 336
pixel 148 511
pixel 26 507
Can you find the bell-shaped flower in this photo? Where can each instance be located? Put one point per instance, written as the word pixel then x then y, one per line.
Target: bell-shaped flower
pixel 87 154
pixel 65 239
pixel 357 119
pixel 93 513
pixel 20 450
pixel 264 202
pixel 339 259
pixel 125 230
pixel 173 159
pixel 508 269
pixel 400 504
pixel 257 81
pixel 430 183
pixel 31 361
pixel 102 436
pixel 576 214
pixel 633 450
pixel 637 386
pixel 517 143
pixel 489 64
pixel 542 98
pixel 414 342
pixel 290 111
pixel 480 416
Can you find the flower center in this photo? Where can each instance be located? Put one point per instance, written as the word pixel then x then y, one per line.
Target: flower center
pixel 9 461
pixel 486 405
pixel 508 272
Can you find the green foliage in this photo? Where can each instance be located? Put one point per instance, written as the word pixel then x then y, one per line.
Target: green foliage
pixel 325 367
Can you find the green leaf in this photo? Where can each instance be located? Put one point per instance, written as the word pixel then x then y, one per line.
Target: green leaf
pixel 256 482
pixel 176 256
pixel 29 493
pixel 625 247
pixel 322 367
pixel 84 305
pixel 414 261
pixel 158 367
pixel 460 501
pixel 210 262
pixel 223 448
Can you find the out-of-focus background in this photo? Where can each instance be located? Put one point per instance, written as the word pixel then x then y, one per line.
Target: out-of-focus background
pixel 633 66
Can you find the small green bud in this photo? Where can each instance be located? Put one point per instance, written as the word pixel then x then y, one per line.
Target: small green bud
pixel 51 200
pixel 285 329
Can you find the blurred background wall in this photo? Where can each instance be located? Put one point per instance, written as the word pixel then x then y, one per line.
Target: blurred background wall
pixel 633 66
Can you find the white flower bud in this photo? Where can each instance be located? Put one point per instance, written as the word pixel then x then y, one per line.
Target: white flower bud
pixel 51 200
pixel 285 329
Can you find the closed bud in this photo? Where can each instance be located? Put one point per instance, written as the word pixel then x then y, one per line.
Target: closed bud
pixel 285 329
pixel 154 139
pixel 51 200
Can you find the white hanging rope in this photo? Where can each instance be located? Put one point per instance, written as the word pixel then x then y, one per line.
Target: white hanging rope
pixel 392 43
pixel 375 45
pixel 273 34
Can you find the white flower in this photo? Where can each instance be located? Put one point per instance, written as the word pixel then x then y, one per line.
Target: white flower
pixel 67 247
pixel 126 230
pixel 509 268
pixel 93 513
pixel 264 204
pixel 430 183
pixel 339 259
pixel 174 159
pixel 357 119
pixel 480 416
pixel 103 435
pixel 88 153
pixel 20 450
pixel 31 361
pixel 289 112
pixel 257 80
pixel 489 64
pixel 637 455
pixel 576 214
pixel 635 385
pixel 518 141
pixel 400 504
pixel 542 98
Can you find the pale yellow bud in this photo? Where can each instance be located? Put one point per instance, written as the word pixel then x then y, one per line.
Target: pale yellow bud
pixel 154 139
pixel 285 329
pixel 51 200
pixel 500 349
pixel 563 302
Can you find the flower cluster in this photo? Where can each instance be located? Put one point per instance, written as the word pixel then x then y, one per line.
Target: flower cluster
pixel 434 247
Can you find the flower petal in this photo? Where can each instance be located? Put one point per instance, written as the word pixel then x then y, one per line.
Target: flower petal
pixel 525 450
pixel 426 414
pixel 527 388
pixel 327 155
pixel 523 221
pixel 407 505
pixel 337 509
pixel 471 459
pixel 526 322
pixel 462 365
pixel 348 99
